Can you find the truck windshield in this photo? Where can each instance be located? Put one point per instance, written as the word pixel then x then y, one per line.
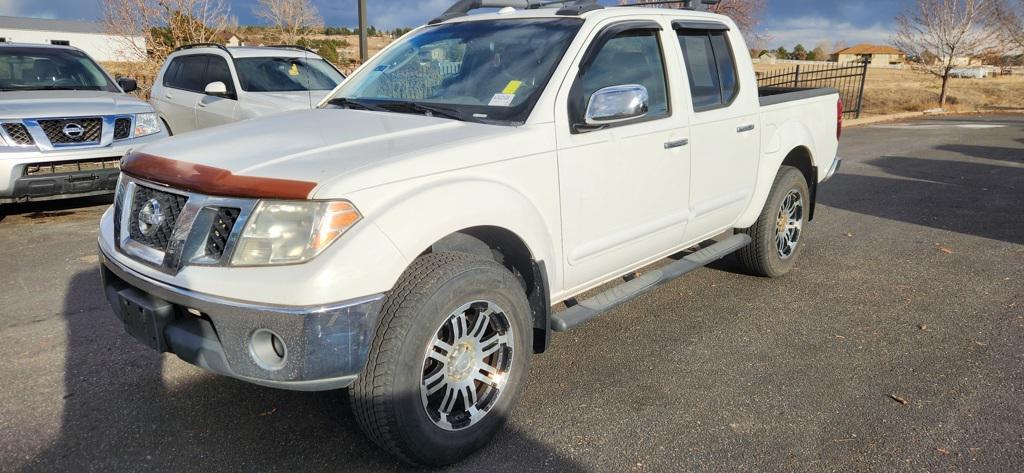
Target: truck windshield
pixel 286 74
pixel 490 71
pixel 29 68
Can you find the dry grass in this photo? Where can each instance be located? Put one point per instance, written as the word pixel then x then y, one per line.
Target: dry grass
pixel 904 90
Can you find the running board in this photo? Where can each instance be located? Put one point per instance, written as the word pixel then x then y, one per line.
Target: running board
pixel 579 313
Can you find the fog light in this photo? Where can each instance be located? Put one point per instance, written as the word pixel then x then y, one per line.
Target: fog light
pixel 268 350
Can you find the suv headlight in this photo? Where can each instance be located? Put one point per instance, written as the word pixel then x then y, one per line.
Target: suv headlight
pixel 286 232
pixel 146 124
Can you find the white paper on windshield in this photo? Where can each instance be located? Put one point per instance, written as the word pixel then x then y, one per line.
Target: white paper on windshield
pixel 502 100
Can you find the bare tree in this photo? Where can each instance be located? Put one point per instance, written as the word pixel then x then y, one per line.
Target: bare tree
pixel 746 13
pixel 941 33
pixel 291 18
pixel 151 29
pixel 1010 22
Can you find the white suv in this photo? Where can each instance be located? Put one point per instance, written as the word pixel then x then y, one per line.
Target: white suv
pixel 204 85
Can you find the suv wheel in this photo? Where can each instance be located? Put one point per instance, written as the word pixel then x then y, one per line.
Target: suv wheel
pixel 448 360
pixel 777 232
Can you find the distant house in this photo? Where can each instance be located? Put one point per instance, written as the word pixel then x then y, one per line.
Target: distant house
pixel 87 36
pixel 230 39
pixel 875 54
pixel 768 56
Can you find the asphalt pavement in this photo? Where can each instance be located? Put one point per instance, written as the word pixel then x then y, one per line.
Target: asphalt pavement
pixel 897 344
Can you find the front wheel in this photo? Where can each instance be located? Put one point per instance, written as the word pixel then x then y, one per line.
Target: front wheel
pixel 448 360
pixel 776 235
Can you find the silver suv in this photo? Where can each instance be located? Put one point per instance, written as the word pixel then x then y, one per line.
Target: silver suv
pixel 204 85
pixel 64 124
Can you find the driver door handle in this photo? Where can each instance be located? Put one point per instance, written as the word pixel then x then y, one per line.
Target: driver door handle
pixel 677 143
pixel 745 128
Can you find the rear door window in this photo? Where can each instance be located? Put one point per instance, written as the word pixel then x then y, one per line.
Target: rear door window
pixel 710 67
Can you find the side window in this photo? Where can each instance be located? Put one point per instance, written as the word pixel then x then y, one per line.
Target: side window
pixel 710 67
pixel 218 70
pixel 188 74
pixel 630 57
pixel 171 75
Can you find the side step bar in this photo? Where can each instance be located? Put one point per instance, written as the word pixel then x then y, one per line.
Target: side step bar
pixel 579 313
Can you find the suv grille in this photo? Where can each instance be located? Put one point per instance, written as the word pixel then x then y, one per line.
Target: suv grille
pixel 18 133
pixel 122 128
pixel 63 131
pixel 220 231
pixel 169 205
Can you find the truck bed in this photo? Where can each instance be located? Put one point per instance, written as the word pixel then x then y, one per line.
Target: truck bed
pixel 777 95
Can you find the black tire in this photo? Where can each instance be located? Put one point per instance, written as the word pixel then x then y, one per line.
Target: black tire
pixel 762 257
pixel 386 399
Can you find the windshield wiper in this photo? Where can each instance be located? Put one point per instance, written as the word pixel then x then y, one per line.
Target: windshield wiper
pixel 355 104
pixel 428 110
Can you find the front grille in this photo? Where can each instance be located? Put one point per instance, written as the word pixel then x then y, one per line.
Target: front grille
pixel 166 206
pixel 57 167
pixel 65 132
pixel 220 231
pixel 18 133
pixel 122 128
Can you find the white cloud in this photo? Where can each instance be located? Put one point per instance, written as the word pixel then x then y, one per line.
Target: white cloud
pixel 810 31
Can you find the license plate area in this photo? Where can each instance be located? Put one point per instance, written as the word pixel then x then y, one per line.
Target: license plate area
pixel 145 317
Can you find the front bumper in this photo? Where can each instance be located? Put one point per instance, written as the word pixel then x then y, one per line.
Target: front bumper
pixel 322 347
pixel 76 171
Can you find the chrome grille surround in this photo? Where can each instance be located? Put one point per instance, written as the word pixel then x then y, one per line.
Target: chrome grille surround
pixel 46 133
pixel 188 237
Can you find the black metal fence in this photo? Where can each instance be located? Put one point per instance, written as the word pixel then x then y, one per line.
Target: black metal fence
pixel 847 78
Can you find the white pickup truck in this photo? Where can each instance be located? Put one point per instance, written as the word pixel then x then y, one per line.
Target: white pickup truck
pixel 411 237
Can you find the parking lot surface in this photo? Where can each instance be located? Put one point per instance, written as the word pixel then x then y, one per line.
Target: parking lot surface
pixel 897 344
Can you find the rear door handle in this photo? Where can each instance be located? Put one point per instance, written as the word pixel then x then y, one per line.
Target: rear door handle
pixel 745 128
pixel 677 143
pixel 169 96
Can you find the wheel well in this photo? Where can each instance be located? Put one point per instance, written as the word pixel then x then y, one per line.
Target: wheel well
pixel 800 158
pixel 506 248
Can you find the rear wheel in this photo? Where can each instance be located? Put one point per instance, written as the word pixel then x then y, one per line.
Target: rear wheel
pixel 448 361
pixel 776 235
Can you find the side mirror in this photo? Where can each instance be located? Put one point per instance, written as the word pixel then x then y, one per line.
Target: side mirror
pixel 217 89
pixel 617 104
pixel 127 85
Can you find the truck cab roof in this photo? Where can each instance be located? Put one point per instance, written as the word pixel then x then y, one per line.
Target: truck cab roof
pixel 607 12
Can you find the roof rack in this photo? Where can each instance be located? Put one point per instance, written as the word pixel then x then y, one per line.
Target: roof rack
pixel 569 7
pixel 290 46
pixel 203 45
pixel 687 4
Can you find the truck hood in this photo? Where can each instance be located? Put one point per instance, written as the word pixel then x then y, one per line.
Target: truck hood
pixel 68 103
pixel 327 145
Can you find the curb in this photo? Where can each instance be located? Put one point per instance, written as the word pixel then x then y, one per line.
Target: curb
pixel 856 122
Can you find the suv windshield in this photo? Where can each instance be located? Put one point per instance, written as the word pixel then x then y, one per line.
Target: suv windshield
pixel 487 70
pixel 286 74
pixel 29 68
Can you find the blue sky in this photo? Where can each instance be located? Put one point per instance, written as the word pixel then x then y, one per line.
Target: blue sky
pixel 786 22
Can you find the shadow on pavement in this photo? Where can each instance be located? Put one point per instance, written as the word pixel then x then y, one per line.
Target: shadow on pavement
pixel 1014 155
pixel 122 412
pixel 53 208
pixel 963 197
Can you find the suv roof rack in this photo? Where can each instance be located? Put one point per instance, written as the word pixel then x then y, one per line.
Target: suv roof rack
pixel 203 45
pixel 290 46
pixel 569 7
pixel 687 4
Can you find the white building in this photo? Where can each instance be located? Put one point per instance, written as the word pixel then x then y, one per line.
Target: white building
pixel 89 37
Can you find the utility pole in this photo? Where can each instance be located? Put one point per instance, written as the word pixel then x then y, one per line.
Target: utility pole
pixel 364 52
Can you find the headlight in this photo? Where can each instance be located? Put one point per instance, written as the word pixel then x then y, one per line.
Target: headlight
pixel 284 232
pixel 146 124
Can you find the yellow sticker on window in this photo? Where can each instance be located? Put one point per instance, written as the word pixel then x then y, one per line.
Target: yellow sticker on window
pixel 294 71
pixel 512 87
